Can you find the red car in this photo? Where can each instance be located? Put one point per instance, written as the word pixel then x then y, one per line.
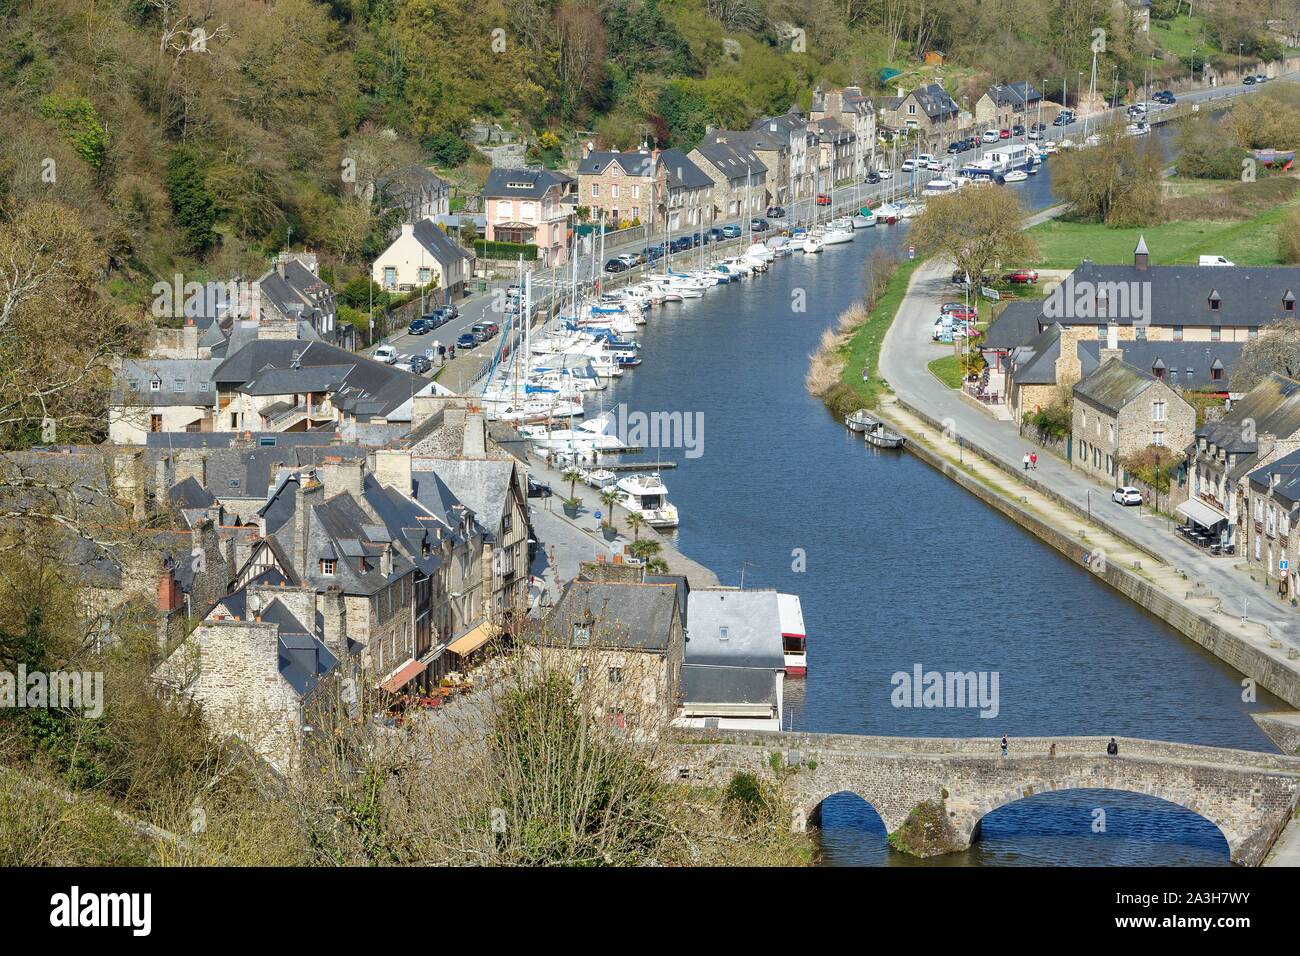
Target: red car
pixel 960 313
pixel 823 199
pixel 1004 134
pixel 1021 277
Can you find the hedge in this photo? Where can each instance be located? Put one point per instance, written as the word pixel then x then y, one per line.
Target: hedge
pixel 505 250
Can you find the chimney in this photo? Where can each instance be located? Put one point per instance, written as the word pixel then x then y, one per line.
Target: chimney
pixel 334 621
pixel 393 468
pixel 1140 255
pixel 1068 368
pixel 190 463
pixel 309 493
pixel 169 589
pixel 1112 349
pixel 408 229
pixel 339 476
pixel 386 560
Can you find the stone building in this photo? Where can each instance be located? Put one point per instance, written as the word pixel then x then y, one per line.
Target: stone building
pixel 622 645
pixel 929 110
pixel 622 187
pixel 1004 105
pixel 1119 410
pixel 1261 427
pixel 855 112
pixel 740 180
pixel 800 154
pixel 1272 523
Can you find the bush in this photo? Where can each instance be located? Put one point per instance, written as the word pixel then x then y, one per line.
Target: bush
pixel 446 149
pixel 1289 236
pixel 744 794
pixel 1051 422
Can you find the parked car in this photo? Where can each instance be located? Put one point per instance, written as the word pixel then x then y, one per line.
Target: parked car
pixel 823 199
pixel 907 166
pixel 1063 119
pixel 1018 130
pixel 731 232
pixel 419 327
pixel 629 259
pixel 386 354
pixel 680 244
pixel 1261 78
pixel 466 341
pixel 492 328
pixel 1004 133
pixel 696 239
pixel 715 234
pixel 537 489
pixel 775 212
pixel 885 173
pixel 1249 80
pixel 759 225
pixel 480 331
pixel 513 292
pixel 1021 276
pixel 1215 261
pixel 614 266
pixel 653 253
pixel 956 147
pixel 990 136
pixel 1127 495
pixel 1034 134
pixel 873 178
pixel 417 364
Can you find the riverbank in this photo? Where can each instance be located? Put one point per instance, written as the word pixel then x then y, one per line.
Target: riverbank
pixel 1132 553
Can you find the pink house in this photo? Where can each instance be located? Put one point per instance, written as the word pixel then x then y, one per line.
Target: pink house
pixel 523 205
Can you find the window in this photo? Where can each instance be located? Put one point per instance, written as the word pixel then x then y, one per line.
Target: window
pixel 390 277
pixel 424 276
pixel 1178 333
pixel 155 423
pixel 1110 432
pixel 724 634
pixel 595 190
pixel 583 671
pixel 203 386
pixel 636 212
pixel 327 566
pixel 1216 374
pixel 1101 333
pixel 1158 439
pixel 636 192
pixel 155 385
pixel 617 720
pixel 1157 411
pixel 1214 301
pixel 613 191
pixel 178 385
pixel 133 385
pixel 266 441
pixel 1173 376
pixel 1140 333
pixel 615 171
pixel 1216 333
pixel 581 632
pixel 616 675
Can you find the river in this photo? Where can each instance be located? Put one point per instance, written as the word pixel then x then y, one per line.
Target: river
pixel 901 567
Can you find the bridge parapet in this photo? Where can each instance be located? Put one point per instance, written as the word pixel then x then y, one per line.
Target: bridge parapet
pixel 1248 795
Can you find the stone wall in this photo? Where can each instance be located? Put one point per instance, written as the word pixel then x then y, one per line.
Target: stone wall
pixel 1248 795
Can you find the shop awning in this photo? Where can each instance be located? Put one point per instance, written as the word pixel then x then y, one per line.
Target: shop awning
pixel 471 640
pixel 1201 513
pixel 403 676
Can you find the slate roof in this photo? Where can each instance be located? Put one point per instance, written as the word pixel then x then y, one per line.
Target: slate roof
pixel 734 160
pixel 1185 364
pixel 734 629
pixel 522 183
pixel 1018 96
pixel 633 164
pixel 833 131
pixel 444 250
pixel 727 685
pixel 1017 324
pixel 1113 385
pixel 481 484
pixel 190 494
pixel 1274 408
pixel 194 375
pixel 1035 363
pixel 935 101
pixel 299 292
pixel 1248 296
pixel 682 173
pixel 1288 470
pixel 621 615
pixel 358 384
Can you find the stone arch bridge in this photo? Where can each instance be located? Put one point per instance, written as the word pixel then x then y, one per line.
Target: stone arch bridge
pixel 1248 795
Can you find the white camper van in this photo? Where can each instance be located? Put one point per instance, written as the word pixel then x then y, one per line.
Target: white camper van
pixel 1216 261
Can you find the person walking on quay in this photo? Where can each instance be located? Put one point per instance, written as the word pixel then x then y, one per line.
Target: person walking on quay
pixel 1025 461
pixel 1112 748
pixel 1004 745
pixel 1051 751
pixel 1033 460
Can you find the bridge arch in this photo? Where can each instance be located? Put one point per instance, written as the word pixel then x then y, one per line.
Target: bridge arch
pixel 1079 811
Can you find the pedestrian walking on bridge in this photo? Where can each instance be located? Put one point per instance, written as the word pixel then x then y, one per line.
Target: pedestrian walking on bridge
pixel 1112 748
pixel 1004 745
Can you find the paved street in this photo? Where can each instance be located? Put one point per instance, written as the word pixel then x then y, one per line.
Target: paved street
pixel 904 356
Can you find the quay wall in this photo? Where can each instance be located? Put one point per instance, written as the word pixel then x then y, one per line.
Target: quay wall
pixel 1271 674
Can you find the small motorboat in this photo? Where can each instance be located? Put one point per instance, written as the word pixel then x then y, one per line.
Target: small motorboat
pixel 599 478
pixel 888 212
pixel 1015 176
pixel 812 244
pixel 860 421
pixel 864 220
pixel 883 437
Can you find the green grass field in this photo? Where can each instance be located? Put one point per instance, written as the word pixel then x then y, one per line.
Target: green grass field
pixel 1246 242
pixel 947 370
pixel 1181 35
pixel 864 349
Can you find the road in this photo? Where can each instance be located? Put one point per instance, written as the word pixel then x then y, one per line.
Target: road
pixel 489 305
pixel 906 352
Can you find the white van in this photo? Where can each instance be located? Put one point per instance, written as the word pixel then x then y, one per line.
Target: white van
pixel 386 354
pixel 1216 261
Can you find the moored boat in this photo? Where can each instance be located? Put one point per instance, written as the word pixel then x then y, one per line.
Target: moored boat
pixel 883 437
pixel 859 421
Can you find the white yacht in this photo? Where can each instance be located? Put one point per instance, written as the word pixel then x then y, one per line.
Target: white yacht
pixel 647 496
pixel 812 243
pixel 865 219
pixel 834 235
pixel 939 187
pixel 1015 176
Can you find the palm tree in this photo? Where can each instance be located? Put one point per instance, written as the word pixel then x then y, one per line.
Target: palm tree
pixel 572 476
pixel 635 522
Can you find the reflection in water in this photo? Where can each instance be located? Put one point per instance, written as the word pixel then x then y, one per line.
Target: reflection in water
pixel 1062 828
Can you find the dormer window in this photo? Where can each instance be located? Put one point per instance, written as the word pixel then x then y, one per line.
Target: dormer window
pixel 327 566
pixel 1214 301
pixel 155 385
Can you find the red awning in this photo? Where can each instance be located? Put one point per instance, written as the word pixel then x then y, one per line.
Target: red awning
pixel 403 676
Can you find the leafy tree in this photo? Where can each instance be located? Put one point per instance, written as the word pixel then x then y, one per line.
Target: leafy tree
pixel 76 119
pixel 446 149
pixel 977 228
pixel 193 205
pixel 1275 349
pixel 1204 152
pixel 1116 182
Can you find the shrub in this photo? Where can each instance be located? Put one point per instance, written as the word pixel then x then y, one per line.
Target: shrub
pixel 744 794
